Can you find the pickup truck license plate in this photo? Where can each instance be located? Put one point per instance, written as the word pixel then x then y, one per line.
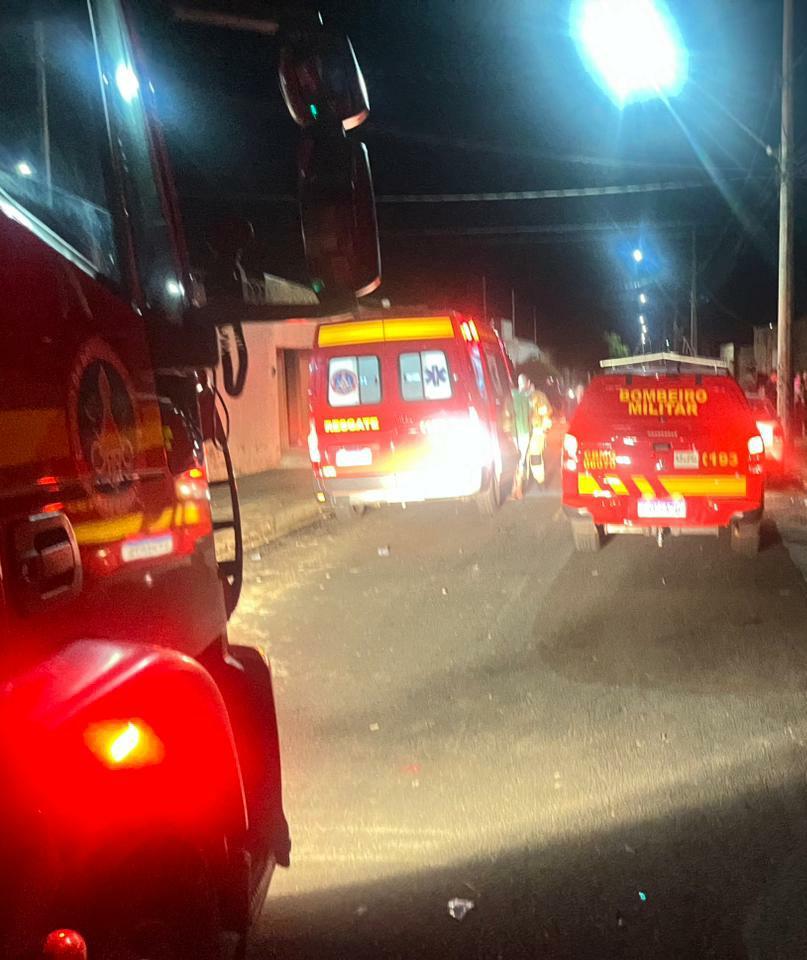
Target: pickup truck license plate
pixel 686 459
pixel 662 509
pixel 361 457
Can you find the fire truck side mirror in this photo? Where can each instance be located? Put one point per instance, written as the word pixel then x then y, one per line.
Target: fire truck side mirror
pixel 321 79
pixel 337 210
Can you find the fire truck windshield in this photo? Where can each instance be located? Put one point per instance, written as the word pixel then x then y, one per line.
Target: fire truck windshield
pixel 52 162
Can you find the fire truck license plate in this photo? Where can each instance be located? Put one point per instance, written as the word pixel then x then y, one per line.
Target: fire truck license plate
pixel 362 457
pixel 662 509
pixel 686 459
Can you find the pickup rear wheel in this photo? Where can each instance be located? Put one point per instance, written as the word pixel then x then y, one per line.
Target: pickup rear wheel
pixel 586 537
pixel 745 539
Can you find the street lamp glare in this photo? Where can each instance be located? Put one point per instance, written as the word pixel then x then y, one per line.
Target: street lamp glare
pixel 641 319
pixel 642 298
pixel 24 169
pixel 632 48
pixel 638 256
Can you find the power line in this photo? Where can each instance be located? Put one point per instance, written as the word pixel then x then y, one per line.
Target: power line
pixel 561 194
pixel 552 231
pixel 509 150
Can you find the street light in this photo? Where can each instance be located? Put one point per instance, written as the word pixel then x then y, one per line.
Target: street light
pixel 642 298
pixel 638 256
pixel 632 48
pixel 641 319
pixel 24 169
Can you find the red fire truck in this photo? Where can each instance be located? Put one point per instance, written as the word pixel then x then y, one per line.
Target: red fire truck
pixel 141 788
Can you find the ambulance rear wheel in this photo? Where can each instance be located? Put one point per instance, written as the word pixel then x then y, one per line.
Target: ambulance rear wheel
pixel 346 511
pixel 745 539
pixel 488 501
pixel 586 537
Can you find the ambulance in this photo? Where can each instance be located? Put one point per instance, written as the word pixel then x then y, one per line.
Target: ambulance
pixel 411 408
pixel 663 444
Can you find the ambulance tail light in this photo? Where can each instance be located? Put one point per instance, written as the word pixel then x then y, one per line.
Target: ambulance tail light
pixel 570 447
pixel 313 443
pixel 756 451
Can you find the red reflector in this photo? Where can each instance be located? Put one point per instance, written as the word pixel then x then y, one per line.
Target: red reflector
pixel 124 744
pixel 64 945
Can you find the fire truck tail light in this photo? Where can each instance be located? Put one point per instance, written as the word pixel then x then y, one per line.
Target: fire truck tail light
pixel 756 446
pixel 570 452
pixel 313 443
pixel 192 485
pixel 124 744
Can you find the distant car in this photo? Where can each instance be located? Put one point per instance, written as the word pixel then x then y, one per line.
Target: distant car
pixel 770 429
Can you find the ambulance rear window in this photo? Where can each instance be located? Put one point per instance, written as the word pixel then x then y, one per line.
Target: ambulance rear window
pixel 425 375
pixel 353 380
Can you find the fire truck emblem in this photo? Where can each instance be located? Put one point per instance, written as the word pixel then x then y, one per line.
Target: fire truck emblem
pixel 104 427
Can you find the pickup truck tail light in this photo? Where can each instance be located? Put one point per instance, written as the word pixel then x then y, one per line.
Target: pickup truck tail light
pixel 756 452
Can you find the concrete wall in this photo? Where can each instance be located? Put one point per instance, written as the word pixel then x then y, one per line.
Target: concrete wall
pixel 258 418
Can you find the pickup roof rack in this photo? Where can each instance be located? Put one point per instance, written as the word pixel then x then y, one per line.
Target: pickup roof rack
pixel 648 363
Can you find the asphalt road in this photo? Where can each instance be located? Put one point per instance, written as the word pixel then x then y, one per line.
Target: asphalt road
pixel 607 754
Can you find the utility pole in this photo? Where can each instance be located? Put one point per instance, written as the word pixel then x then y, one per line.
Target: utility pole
pixel 535 326
pixel 693 298
pixel 484 297
pixel 513 308
pixel 785 299
pixel 42 94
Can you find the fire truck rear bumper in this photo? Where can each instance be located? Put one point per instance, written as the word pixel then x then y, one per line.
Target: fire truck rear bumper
pixel 706 516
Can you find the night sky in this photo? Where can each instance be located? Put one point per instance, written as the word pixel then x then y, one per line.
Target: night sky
pixel 480 95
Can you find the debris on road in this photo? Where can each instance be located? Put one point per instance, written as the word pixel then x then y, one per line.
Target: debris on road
pixel 374 727
pixel 459 907
pixel 629 849
pixel 255 556
pixel 361 910
pixel 444 591
pixel 595 573
pixel 383 551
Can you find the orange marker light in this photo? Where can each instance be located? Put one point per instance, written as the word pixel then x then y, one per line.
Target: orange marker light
pixel 124 744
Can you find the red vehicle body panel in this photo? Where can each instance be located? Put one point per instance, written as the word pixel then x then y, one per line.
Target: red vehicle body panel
pixel 82 435
pixel 666 450
pixel 435 422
